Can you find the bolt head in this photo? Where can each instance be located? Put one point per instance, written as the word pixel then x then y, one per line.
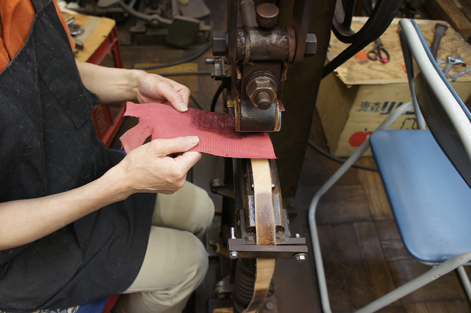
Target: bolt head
pixel 233 255
pixel 300 257
pixel 263 100
pixel 219 44
pixel 265 86
pixel 269 306
pixel 311 45
pixel 267 15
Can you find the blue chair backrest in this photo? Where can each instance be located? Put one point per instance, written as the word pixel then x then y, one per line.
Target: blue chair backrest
pixel 446 115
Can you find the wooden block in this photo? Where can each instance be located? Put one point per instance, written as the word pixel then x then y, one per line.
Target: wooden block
pixel 448 10
pixel 465 7
pixel 378 203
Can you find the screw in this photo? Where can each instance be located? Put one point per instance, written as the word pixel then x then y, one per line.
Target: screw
pixel 233 233
pixel 209 61
pixel 298 236
pixel 300 257
pixel 269 306
pixel 233 255
pixel 263 100
pixel 311 45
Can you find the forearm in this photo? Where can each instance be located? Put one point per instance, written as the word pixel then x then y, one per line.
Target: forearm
pixel 109 84
pixel 25 221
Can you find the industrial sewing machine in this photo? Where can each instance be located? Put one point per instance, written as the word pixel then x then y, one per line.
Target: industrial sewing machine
pixel 252 61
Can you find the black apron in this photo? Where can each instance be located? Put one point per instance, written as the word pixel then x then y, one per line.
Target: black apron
pixel 48 145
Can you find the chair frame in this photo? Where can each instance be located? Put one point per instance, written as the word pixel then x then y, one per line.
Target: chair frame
pixel 459 118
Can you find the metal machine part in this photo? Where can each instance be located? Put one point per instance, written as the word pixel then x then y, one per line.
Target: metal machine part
pixel 156 14
pixel 260 54
pixel 261 89
pixel 257 55
pixel 261 47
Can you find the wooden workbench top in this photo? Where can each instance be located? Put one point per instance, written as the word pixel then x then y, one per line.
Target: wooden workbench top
pixel 96 31
pixel 358 72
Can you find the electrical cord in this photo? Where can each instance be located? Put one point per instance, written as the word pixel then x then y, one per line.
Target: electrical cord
pixel 216 97
pixel 178 62
pixel 185 73
pixel 198 103
pixel 332 157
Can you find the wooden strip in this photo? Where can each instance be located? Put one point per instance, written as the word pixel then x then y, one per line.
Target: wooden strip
pixel 264 214
pixel 265 229
pixel 448 10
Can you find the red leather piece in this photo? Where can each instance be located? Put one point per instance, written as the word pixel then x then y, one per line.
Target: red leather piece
pixel 216 131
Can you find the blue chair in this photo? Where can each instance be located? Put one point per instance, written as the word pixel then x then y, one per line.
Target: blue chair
pixel 426 174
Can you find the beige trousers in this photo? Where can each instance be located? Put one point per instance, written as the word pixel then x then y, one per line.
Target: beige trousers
pixel 176 261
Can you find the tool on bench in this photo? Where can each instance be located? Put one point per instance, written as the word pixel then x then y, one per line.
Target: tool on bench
pixel 440 30
pixel 74 29
pixel 452 61
pixel 376 54
pixel 454 77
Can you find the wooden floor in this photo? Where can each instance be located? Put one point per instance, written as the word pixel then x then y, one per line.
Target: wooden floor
pixel 362 251
pixel 363 255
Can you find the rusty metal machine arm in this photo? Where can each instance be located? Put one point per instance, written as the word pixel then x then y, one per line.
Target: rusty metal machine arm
pixel 252 60
pixel 259 54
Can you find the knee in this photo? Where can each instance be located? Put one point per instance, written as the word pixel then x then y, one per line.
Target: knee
pixel 207 209
pixel 194 261
pixel 204 208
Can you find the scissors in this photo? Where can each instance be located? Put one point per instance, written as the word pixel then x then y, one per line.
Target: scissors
pixel 376 53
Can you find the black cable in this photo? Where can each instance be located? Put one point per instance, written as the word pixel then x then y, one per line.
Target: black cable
pixel 330 156
pixel 198 103
pixel 216 97
pixel 177 62
pixel 185 73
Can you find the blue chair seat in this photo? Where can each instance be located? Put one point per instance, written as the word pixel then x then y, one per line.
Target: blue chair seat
pixel 419 179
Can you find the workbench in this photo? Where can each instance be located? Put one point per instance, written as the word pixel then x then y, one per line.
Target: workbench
pixel 100 37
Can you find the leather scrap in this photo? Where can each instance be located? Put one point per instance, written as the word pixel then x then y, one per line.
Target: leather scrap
pixel 216 131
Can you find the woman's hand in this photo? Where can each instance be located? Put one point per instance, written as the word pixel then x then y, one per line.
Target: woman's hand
pixel 155 88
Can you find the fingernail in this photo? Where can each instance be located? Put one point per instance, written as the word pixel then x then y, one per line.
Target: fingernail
pixel 193 140
pixel 182 107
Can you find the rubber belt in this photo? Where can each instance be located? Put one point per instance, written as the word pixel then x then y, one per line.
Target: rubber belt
pixel 265 230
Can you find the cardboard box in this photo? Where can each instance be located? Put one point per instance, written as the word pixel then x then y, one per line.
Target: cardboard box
pixel 359 95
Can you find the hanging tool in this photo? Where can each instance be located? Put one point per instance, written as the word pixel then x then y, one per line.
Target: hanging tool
pixel 452 61
pixel 440 30
pixel 454 77
pixel 376 53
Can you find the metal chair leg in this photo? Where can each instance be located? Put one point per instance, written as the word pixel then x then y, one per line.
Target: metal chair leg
pixel 327 185
pixel 417 283
pixel 465 281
